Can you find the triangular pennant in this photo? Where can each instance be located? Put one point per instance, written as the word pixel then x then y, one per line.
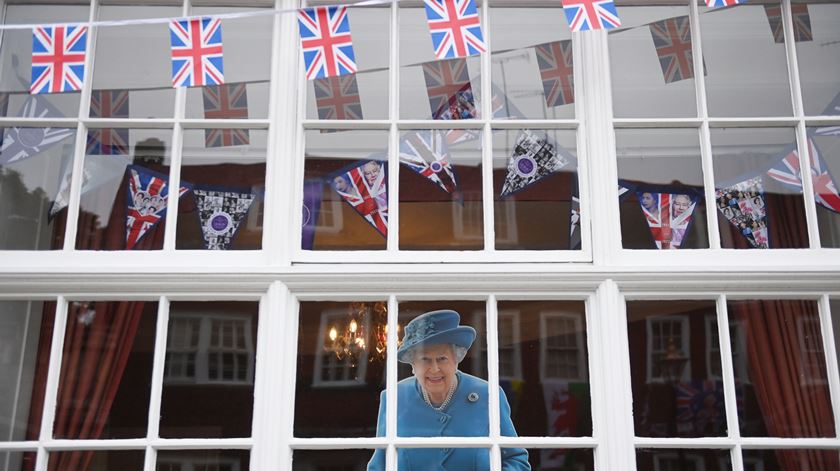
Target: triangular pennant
pixel 455 28
pixel 228 101
pixel 801 22
pixel 145 203
pixel 365 187
pixel 426 153
pixel 23 143
pixel 832 109
pixel 672 39
pixel 787 171
pixel 668 215
pixel 312 190
pixel 98 170
pixel 742 204
pixel 557 72
pixel 220 213
pixel 534 158
pixel 449 89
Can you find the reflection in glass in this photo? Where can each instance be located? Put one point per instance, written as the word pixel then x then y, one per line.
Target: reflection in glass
pixel 791 459
pixel 209 460
pixel 106 371
pixel 785 382
pixel 307 460
pixel 817 34
pixel 683 460
pixel 100 460
pixel 17 460
pixel 535 190
pixel 675 366
pixel 825 158
pixel 835 323
pixel 545 459
pixel 208 378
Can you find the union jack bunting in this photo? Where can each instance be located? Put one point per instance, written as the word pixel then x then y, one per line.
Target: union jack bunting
pixel 338 97
pixel 326 42
pixel 58 58
pixel 787 171
pixel 672 39
pixel 557 72
pixel 108 141
pixel 197 58
pixel 801 22
pixel 742 204
pixel 146 203
pixel 365 188
pixel 832 109
pixel 449 89
pixel 426 153
pixel 700 408
pixel 668 216
pixel 455 28
pixel 534 157
pixel 229 101
pixel 584 15
pixel 723 3
pixel 23 143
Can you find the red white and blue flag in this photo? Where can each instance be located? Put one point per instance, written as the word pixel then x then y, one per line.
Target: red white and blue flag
pixel 21 143
pixel 455 28
pixel 146 203
pixel 584 15
pixel 326 42
pixel 338 97
pixel 787 171
pixel 672 39
pixel 557 72
pixel 449 89
pixel 365 188
pixel 426 153
pixel 668 216
pixel 723 3
pixel 832 109
pixel 58 58
pixel 229 101
pixel 108 141
pixel 801 22
pixel 197 58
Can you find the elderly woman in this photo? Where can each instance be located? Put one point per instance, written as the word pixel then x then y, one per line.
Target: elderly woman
pixel 440 401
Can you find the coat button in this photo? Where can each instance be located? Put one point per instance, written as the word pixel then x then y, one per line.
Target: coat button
pixel 442 419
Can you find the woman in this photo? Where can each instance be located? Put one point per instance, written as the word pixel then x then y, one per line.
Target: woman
pixel 440 401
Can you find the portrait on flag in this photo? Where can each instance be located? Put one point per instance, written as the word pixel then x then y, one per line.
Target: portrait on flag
pixel 535 156
pixel 743 205
pixel 326 42
pixel 220 212
pixel 668 212
pixel 364 186
pixel 197 56
pixel 455 28
pixel 146 202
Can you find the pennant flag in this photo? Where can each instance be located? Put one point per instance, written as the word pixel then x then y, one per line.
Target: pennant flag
pixel 672 39
pixel 700 408
pixel 365 188
pixel 832 109
pixel 98 170
pixel 197 58
pixel 229 101
pixel 455 28
pixel 534 157
pixel 743 206
pixel 326 42
pixel 426 153
pixel 220 212
pixel 449 89
pixel 145 204
pixel 557 72
pixel 338 97
pixel 58 58
pixel 574 216
pixel 584 15
pixel 801 22
pixel 108 141
pixel 787 171
pixel 565 407
pixel 668 216
pixel 312 190
pixel 623 191
pixel 723 3
pixel 23 143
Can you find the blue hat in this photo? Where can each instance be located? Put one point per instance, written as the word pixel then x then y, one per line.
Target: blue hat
pixel 435 328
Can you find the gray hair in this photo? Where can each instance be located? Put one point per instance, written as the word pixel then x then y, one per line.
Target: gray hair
pixel 459 351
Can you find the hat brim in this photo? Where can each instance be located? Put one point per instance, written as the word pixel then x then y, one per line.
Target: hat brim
pixel 463 336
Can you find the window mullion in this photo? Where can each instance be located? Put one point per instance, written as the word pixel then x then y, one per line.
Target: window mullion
pixel 492 332
pixel 53 377
pixel 489 222
pixel 156 392
pixel 727 370
pixel 830 351
pixel 393 182
pixel 391 383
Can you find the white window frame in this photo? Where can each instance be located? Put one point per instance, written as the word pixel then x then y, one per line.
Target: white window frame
pixel 579 346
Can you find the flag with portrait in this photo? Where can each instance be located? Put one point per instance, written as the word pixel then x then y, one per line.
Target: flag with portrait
pixel 364 186
pixel 743 205
pixel 668 214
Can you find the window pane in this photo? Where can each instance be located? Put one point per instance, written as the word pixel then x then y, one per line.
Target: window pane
pixel 456 458
pixel 545 459
pixel 825 152
pixel 652 63
pixel 816 26
pixel 683 460
pixel 330 460
pixel 664 207
pixel 535 190
pixel 440 190
pixel 106 370
pixel 25 337
pixel 345 190
pixel 203 460
pixel 675 393
pixel 785 386
pixel 208 382
pixel 747 70
pixel 226 171
pixel 755 210
pixel 17 461
pixel 100 460
pixel 123 205
pixel 783 460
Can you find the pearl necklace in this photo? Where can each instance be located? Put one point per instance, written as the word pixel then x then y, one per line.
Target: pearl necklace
pixel 445 401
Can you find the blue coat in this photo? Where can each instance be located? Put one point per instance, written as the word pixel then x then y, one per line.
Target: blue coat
pixel 462 418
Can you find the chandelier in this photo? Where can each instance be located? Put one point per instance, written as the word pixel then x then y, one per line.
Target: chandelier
pixel 362 333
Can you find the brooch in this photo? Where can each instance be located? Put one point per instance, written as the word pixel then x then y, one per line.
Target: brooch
pixel 473 397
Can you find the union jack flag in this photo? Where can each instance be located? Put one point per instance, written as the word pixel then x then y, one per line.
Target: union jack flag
pixel 23 143
pixel 787 171
pixel 449 89
pixel 668 216
pixel 228 101
pixel 455 28
pixel 584 15
pixel 365 188
pixel 723 3
pixel 832 109
pixel 557 72
pixel 672 39
pixel 338 97
pixel 326 42
pixel 146 203
pixel 197 58
pixel 426 153
pixel 108 141
pixel 801 22
pixel 58 58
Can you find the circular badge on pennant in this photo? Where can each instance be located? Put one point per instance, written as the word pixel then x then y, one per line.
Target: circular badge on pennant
pixel 307 214
pixel 219 223
pixel 436 166
pixel 31 137
pixel 525 166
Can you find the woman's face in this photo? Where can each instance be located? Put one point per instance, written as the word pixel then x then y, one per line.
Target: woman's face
pixel 434 367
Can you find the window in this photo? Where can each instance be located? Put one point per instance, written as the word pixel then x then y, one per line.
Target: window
pixel 563 352
pixel 667 336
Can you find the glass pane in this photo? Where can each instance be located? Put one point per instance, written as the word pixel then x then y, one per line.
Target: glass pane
pixel 330 460
pixel 546 459
pixel 132 76
pixel 106 370
pixel 440 190
pixel 747 71
pixel 834 306
pixel 363 95
pixel 203 460
pixel 345 190
pixel 341 361
pixel 675 366
pixel 784 460
pixel 517 63
pixel 25 337
pixel 543 367
pixel 825 158
pixel 755 209
pixel 100 460
pixel 665 206
pixel 785 385
pixel 683 460
pixel 17 460
pixel 816 26
pixel 123 204
pixel 35 168
pixel 535 189
pixel 208 378
pixel 433 458
pixel 225 169
pixel 652 63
